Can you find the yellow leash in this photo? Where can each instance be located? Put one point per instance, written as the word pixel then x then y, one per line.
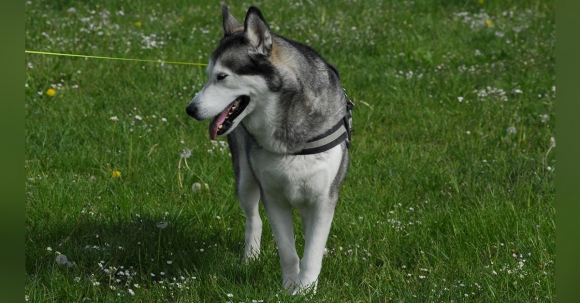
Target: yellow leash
pixel 112 58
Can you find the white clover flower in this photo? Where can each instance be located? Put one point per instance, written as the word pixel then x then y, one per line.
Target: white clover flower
pixel 131 292
pixel 545 118
pixel 138 117
pixel 230 295
pixel 114 118
pixel 164 119
pixel 162 224
pixel 169 262
pixel 460 99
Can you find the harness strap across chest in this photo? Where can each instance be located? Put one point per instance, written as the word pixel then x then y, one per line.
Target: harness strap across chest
pixel 333 137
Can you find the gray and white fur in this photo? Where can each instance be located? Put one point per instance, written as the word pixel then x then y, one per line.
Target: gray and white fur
pixel 291 95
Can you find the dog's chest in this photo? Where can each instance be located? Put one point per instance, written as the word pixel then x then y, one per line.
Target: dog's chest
pixel 298 180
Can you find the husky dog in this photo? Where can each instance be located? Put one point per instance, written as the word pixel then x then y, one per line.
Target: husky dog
pixel 288 123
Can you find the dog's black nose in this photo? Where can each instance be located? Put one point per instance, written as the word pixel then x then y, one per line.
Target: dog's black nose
pixel 190 110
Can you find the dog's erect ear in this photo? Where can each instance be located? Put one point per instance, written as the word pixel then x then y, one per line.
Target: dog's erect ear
pixel 231 25
pixel 257 31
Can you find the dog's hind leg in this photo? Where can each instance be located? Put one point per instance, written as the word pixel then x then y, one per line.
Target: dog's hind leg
pixel 248 192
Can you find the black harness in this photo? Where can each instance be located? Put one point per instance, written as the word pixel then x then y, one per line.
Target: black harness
pixel 334 136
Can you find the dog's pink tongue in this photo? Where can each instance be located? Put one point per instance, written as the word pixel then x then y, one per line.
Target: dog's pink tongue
pixel 217 121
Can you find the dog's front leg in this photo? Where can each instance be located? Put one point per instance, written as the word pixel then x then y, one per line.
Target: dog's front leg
pixel 248 192
pixel 317 220
pixel 280 217
pixel 249 195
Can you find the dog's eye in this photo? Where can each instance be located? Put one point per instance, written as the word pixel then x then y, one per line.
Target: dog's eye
pixel 221 76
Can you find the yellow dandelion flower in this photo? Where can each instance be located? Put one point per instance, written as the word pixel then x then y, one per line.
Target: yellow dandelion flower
pixel 116 174
pixel 488 22
pixel 138 23
pixel 480 1
pixel 51 92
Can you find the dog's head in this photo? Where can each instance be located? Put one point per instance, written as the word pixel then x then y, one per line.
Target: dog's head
pixel 240 74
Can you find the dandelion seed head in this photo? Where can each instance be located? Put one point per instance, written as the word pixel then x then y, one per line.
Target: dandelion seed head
pixel 61 259
pixel 185 153
pixel 162 224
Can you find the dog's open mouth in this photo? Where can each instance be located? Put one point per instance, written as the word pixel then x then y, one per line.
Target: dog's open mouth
pixel 224 121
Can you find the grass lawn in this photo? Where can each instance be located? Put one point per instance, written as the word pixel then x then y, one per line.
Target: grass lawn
pixel 450 192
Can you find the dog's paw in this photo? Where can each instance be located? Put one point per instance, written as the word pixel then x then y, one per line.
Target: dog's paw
pixel 251 253
pixel 302 289
pixel 250 258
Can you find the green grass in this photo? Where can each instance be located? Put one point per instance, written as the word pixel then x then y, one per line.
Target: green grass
pixel 444 200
